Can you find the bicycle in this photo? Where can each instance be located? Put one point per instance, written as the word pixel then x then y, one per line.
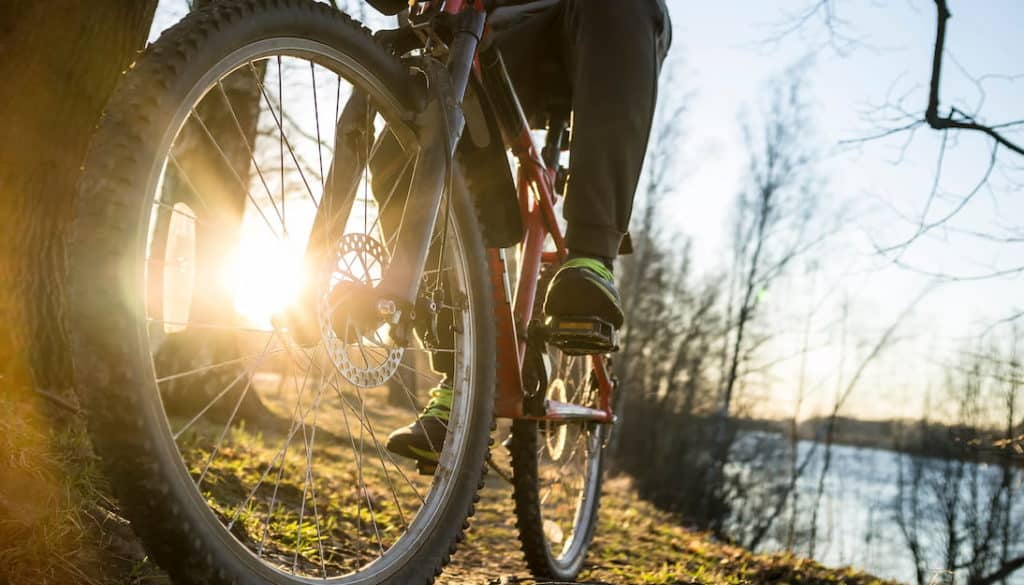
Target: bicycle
pixel 209 417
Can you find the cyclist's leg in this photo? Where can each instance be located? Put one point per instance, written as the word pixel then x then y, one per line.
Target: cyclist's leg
pixel 612 53
pixel 532 51
pixel 604 56
pixel 608 55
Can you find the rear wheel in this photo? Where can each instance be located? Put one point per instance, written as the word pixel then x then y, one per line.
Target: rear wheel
pixel 557 470
pixel 227 191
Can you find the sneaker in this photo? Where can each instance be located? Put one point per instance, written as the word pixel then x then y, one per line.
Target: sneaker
pixel 423 438
pixel 584 288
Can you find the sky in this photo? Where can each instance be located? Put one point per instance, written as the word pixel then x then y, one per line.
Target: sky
pixel 723 58
pixel 726 53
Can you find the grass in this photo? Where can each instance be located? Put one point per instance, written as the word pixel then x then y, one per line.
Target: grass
pixel 57 525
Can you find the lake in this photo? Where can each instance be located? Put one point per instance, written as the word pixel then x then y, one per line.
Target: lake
pixel 857 519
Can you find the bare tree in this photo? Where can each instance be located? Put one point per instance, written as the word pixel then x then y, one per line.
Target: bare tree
pixel 639 289
pixel 773 227
pixel 826 12
pixel 956 507
pixel 903 115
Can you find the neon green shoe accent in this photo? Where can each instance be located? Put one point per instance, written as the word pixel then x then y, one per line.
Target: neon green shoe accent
pixel 595 266
pixel 440 404
pixel 425 455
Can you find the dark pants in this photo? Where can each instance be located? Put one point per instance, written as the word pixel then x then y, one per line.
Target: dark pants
pixel 602 58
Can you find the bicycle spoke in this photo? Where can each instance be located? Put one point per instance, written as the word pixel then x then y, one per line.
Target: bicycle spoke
pixel 364 492
pixel 433 240
pixel 231 419
pixel 252 156
pixel 366 279
pixel 387 200
pixel 200 325
pixel 334 148
pixel 207 368
pixel 316 116
pixel 428 350
pixel 210 404
pixel 308 443
pixel 405 203
pixel 281 455
pixel 283 136
pixel 366 176
pixel 360 414
pixel 184 214
pixel 312 487
pixel 381 451
pixel 280 101
pixel 380 454
pixel 238 178
pixel 188 181
pixel 428 379
pixel 217 398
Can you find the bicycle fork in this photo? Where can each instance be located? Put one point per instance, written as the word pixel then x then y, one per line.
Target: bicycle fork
pixel 438 128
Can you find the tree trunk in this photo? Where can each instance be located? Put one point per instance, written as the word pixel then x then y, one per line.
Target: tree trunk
pixel 56 81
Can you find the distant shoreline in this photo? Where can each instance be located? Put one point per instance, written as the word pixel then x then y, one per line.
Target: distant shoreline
pixel 913 437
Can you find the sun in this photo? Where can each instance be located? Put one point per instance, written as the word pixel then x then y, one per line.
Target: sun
pixel 266 272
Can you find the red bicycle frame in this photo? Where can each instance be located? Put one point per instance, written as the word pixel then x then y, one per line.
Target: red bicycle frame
pixel 537 197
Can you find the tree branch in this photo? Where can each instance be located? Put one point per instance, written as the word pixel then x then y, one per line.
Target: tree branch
pixel 1004 570
pixel 955 120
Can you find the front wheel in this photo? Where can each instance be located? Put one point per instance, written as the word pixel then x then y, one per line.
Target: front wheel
pixel 253 165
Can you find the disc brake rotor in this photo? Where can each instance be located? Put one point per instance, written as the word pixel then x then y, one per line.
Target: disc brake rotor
pixel 366 359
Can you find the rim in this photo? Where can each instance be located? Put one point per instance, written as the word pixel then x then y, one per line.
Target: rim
pixel 254 405
pixel 568 463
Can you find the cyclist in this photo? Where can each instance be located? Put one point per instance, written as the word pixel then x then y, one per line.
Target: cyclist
pixel 603 58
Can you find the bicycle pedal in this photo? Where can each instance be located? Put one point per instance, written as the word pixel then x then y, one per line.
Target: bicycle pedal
pixel 426 467
pixel 581 335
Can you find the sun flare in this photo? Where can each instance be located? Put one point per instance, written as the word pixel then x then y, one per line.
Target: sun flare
pixel 265 273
